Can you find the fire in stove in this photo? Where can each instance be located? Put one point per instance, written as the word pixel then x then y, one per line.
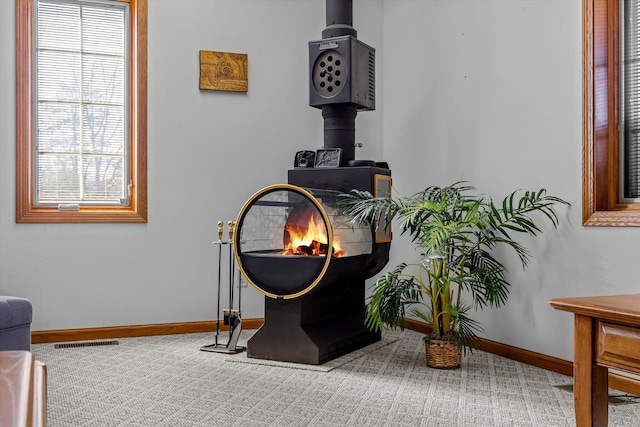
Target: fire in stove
pixel 305 234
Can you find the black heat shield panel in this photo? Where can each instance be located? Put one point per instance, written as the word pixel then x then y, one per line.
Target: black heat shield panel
pixel 285 275
pixel 343 179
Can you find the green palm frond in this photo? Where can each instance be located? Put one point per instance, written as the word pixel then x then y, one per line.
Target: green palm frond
pixel 423 314
pixel 392 292
pixel 484 277
pixel 516 216
pixel 363 208
pixel 468 329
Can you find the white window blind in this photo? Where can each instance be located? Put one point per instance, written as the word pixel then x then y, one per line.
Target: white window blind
pixel 630 100
pixel 81 112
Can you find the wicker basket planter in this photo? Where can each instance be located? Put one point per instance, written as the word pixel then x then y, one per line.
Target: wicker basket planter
pixel 443 354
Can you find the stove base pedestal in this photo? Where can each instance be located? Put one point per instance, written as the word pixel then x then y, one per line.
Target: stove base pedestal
pixel 314 328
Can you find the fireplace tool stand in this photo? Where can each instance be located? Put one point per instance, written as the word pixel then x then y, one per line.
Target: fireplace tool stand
pixel 231 316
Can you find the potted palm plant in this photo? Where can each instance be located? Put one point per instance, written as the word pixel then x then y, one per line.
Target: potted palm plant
pixel 456 231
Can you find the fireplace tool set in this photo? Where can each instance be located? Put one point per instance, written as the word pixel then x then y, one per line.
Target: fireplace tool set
pixel 231 316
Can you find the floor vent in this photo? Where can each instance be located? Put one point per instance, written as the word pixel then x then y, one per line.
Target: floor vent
pixel 86 344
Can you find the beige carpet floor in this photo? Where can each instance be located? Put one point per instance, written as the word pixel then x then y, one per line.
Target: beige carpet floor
pixel 168 381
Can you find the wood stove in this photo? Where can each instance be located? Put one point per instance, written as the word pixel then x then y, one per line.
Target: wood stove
pixel 293 244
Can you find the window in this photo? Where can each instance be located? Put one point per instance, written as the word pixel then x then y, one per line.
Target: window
pixel 608 194
pixel 630 101
pixel 81 111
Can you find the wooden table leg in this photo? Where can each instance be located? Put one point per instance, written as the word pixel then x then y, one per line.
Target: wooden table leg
pixel 590 388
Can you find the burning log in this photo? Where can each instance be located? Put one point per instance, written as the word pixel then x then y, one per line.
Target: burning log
pixel 315 248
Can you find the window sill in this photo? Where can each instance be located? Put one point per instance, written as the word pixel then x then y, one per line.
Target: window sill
pixel 84 215
pixel 621 218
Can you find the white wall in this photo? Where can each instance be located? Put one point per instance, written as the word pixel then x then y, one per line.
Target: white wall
pixel 486 90
pixel 208 153
pixel 490 92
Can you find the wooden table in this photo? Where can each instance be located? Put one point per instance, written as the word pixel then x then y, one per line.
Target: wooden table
pixel 606 335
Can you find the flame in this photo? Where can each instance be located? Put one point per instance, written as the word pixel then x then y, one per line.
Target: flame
pixel 308 238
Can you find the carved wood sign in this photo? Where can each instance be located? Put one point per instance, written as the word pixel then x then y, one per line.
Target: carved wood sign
pixel 224 71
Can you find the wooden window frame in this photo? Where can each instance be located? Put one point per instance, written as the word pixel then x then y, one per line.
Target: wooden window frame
pixel 26 211
pixel 601 204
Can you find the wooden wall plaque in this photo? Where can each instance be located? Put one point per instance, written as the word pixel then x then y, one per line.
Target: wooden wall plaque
pixel 224 71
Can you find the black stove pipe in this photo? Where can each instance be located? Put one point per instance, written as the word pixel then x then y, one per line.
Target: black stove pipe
pixel 340 119
pixel 339 19
pixel 340 129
